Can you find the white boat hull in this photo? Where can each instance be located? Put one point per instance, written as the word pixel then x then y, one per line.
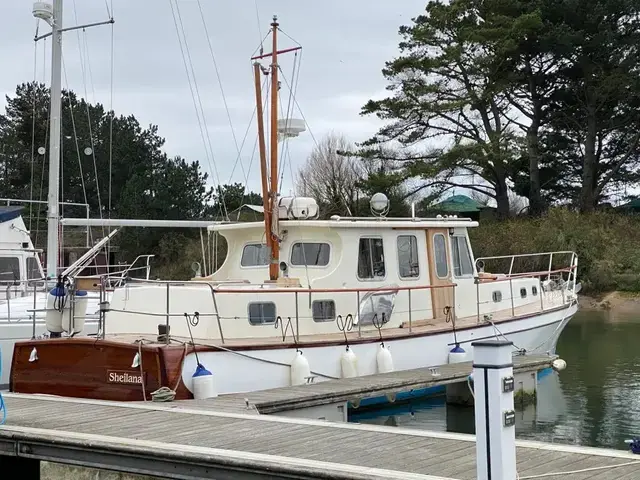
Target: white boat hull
pixel 259 369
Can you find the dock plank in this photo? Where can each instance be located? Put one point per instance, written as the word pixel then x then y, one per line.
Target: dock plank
pixel 366 446
pixel 225 431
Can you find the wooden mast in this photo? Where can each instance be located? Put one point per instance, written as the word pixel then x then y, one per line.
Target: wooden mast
pixel 275 246
pixel 263 154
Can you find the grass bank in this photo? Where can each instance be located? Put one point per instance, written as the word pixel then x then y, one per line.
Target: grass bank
pixel 607 244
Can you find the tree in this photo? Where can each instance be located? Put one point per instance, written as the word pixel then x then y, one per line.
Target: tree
pixel 446 87
pixel 132 171
pixel 331 176
pixel 570 74
pixel 595 113
pixel 230 197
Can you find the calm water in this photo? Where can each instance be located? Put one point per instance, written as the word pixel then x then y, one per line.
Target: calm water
pixel 594 402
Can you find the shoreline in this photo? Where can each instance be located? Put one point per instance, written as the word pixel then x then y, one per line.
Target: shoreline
pixel 619 302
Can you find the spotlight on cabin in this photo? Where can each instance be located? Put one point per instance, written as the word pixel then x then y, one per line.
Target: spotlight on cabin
pixel 284 268
pixel 379 204
pixel 195 266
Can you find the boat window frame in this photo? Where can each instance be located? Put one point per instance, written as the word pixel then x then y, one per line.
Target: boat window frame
pixel 496 298
pixel 37 268
pixel 302 265
pixel 384 261
pixel 255 243
pixel 419 272
pixel 435 257
pixel 260 324
pixel 455 238
pixel 323 320
pixel 17 259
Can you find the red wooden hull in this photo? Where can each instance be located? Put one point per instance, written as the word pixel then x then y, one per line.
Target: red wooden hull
pixel 97 369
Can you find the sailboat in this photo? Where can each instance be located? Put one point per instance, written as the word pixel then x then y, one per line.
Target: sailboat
pixel 300 300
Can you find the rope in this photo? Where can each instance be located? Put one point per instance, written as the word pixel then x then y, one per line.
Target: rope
pixel 521 350
pixel 264 360
pixel 162 394
pixel 575 472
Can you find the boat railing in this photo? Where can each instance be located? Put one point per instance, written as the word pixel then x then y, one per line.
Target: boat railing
pixel 33 286
pixel 365 303
pixel 555 271
pixel 117 278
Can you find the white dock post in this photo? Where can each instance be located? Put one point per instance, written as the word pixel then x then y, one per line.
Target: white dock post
pixel 495 416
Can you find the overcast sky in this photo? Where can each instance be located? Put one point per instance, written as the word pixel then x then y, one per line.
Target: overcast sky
pixel 345 44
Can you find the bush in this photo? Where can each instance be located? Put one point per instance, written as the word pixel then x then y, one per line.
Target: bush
pixel 608 253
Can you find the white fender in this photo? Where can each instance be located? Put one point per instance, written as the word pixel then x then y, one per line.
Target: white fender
pixel 559 364
pixel 384 359
pixel 457 354
pixel 203 384
pixel 300 370
pixel 349 364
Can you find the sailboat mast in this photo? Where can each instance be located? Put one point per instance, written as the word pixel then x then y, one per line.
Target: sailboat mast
pixel 53 198
pixel 263 154
pixel 275 247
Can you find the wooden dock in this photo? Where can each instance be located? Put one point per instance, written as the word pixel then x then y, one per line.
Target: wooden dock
pixel 170 440
pixel 357 390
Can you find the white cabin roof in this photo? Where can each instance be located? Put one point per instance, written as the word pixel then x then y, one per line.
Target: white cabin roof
pixel 361 222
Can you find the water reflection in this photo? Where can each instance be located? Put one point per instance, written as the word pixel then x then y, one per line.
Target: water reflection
pixel 594 402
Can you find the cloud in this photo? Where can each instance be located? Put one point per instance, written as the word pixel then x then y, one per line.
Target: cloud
pixel 345 45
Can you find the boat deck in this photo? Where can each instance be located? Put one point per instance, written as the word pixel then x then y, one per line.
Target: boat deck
pixel 179 442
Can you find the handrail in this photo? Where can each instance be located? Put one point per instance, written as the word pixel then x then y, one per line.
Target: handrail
pixel 521 255
pixel 299 290
pixel 523 275
pixel 296 291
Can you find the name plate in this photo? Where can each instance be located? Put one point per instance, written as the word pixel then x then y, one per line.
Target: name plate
pixel 124 377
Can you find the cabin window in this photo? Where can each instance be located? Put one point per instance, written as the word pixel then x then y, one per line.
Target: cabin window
pixel 497 296
pixel 461 256
pixel 262 313
pixel 33 269
pixel 371 259
pixel 440 254
pixel 408 265
pixel 9 269
pixel 310 254
pixel 254 255
pixel 323 310
pixel 534 291
pixel 523 292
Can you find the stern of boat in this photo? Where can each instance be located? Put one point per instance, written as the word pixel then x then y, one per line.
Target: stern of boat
pixel 96 369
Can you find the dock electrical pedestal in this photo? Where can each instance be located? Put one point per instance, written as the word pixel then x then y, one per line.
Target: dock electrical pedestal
pixel 495 415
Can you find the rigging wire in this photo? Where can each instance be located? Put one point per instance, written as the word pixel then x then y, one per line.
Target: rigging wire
pixel 33 122
pixel 195 95
pixel 86 68
pixel 266 83
pixel 302 114
pixel 286 151
pixel 260 38
pixel 224 98
pixel 75 136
